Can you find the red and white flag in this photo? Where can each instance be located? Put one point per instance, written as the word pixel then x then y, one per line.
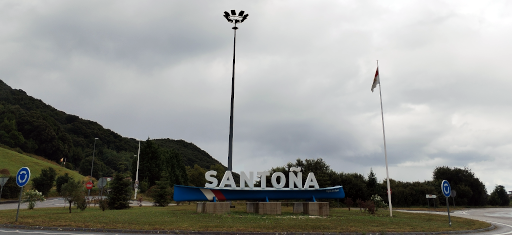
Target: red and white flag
pixel 376 79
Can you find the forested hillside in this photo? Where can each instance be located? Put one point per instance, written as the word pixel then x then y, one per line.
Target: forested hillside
pixel 29 125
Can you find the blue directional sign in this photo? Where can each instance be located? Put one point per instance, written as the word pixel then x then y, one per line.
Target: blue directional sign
pixel 445 187
pixel 23 176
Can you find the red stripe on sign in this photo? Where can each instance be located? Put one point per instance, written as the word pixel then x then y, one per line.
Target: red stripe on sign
pixel 218 194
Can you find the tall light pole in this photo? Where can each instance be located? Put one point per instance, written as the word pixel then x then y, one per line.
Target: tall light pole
pixel 92 165
pixel 235 19
pixel 137 174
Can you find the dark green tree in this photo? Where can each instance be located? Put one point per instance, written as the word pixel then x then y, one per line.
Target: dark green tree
pixel 470 190
pixel 354 185
pixel 119 197
pixel 44 182
pixel 99 169
pixel 372 185
pixel 11 189
pixel 499 197
pixel 162 192
pixel 196 176
pixel 61 180
pixel 181 171
pixel 220 169
pixel 150 164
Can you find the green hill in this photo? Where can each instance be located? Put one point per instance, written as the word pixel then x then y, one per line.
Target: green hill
pixel 13 161
pixel 29 125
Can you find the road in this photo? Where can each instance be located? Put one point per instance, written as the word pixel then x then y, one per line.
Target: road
pixel 499 217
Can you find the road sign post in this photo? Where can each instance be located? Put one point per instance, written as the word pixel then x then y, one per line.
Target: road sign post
pixel 3 180
pixel 89 185
pixel 447 191
pixel 22 178
pixel 453 195
pixel 101 184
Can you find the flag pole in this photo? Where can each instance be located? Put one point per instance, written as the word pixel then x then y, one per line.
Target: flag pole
pixel 137 174
pixel 385 150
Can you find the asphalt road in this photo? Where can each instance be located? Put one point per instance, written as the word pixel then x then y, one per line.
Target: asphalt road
pixel 499 217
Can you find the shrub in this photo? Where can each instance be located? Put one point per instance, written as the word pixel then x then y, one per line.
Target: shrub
pixel 11 189
pixel 32 197
pixel 61 180
pixel 81 203
pixel 349 202
pixel 161 194
pixel 378 202
pixel 103 203
pixel 370 206
pixel 44 182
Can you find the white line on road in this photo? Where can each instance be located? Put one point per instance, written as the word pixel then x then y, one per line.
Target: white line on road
pixel 500 224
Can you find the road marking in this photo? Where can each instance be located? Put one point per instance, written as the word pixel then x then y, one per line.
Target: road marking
pixel 502 225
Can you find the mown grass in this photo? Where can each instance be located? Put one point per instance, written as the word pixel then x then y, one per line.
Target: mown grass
pixel 13 161
pixel 185 218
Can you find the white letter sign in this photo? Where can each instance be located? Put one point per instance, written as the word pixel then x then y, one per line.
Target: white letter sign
pixel 209 177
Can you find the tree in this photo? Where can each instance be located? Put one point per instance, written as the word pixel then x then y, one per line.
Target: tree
pixel 354 185
pixel 44 182
pixel 61 180
pixel 99 168
pixel 181 172
pixel 73 192
pixel 499 197
pixel 220 169
pixel 470 190
pixel 162 193
pixel 119 197
pixel 149 163
pixel 196 176
pixel 372 184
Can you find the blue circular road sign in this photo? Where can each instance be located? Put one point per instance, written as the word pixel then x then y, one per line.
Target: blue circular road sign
pixel 446 188
pixel 23 176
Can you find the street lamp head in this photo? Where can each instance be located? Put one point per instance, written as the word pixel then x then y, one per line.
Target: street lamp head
pixel 96 138
pixel 234 17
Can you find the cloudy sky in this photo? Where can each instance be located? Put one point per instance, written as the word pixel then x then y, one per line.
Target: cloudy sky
pixel 162 69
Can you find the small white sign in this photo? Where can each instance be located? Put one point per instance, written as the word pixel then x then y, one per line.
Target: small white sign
pixel 431 196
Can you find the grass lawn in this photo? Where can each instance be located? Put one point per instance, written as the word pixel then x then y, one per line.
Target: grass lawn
pixel 13 161
pixel 185 218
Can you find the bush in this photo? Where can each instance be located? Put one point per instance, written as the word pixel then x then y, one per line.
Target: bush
pixel 378 202
pixel 81 203
pixel 61 180
pixel 103 203
pixel 44 182
pixel 11 189
pixel 370 207
pixel 143 186
pixel 161 194
pixel 32 197
pixel 349 202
